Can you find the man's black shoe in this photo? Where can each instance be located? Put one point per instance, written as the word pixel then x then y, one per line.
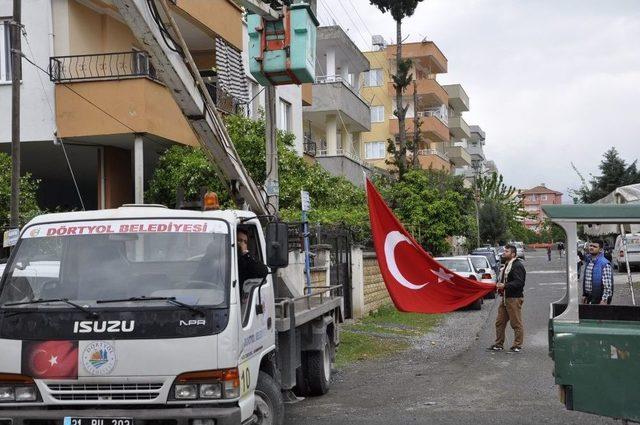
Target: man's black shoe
pixel 495 347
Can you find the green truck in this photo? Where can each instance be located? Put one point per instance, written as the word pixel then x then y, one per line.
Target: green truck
pixel 595 348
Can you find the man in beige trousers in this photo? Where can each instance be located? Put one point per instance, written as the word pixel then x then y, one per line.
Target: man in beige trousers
pixel 511 286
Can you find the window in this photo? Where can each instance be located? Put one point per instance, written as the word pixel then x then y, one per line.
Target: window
pixel 543 197
pixel 377 114
pixel 373 78
pixel 5 50
pixel 374 150
pixel 285 116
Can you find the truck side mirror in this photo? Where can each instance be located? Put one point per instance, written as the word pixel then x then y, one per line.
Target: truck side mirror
pixel 277 245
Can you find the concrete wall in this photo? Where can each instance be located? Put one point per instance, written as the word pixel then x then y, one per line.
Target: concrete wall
pixel 37 120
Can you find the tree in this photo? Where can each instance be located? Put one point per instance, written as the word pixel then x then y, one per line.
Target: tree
pixel 493 222
pixel 492 190
pixel 28 207
pixel 399 10
pixel 334 199
pixel 615 173
pixel 434 205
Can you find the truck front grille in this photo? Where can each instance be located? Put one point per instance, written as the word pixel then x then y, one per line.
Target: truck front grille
pixel 104 392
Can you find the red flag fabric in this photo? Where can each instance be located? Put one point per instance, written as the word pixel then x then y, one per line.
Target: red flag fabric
pixel 415 281
pixel 50 359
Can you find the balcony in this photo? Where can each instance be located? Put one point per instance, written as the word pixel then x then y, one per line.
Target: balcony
pixel 221 17
pixel 458 155
pixel 433 159
pixel 458 98
pixel 425 56
pixel 459 128
pixel 309 146
pixel 433 127
pixel 115 93
pixel 332 94
pixel 430 93
pixel 476 151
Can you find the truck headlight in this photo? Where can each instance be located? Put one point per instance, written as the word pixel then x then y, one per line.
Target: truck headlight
pixel 210 391
pixel 17 388
pixel 186 392
pixel 7 394
pixel 207 385
pixel 26 393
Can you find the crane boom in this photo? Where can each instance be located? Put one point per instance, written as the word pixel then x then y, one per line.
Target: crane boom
pixel 155 29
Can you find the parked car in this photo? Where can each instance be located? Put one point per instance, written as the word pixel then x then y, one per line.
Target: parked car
pixel 519 249
pixel 494 263
pixel 633 252
pixel 484 271
pixel 464 267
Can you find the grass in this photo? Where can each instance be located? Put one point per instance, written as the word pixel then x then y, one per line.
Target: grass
pixel 382 334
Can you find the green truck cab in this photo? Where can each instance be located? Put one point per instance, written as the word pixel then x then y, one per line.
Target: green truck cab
pixel 595 348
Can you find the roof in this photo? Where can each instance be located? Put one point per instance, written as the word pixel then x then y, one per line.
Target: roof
pixel 592 213
pixel 622 195
pixel 539 189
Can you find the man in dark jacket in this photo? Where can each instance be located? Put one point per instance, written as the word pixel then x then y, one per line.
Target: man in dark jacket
pixel 511 286
pixel 248 267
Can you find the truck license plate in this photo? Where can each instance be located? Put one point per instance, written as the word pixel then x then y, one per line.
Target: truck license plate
pixel 68 420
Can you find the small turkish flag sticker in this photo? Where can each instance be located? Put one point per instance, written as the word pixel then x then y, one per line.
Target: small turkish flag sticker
pixel 50 359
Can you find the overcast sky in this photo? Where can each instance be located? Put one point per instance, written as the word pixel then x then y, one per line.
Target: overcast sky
pixel 550 81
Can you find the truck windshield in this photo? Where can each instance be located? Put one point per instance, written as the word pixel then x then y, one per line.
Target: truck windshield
pixel 83 262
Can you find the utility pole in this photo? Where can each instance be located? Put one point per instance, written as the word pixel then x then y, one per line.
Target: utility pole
pixel 272 184
pixel 16 76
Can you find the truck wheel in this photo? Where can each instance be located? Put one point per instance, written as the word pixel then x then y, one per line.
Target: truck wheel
pixel 318 369
pixel 269 408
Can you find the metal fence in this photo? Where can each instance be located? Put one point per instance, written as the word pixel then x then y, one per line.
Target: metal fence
pixel 104 66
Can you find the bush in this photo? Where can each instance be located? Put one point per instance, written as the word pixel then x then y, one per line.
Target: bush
pixel 28 207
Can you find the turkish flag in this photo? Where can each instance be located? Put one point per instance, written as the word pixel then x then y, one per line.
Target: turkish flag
pixel 50 359
pixel 415 281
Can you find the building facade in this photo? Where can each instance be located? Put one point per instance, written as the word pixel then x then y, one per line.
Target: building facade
pixel 102 101
pixel 338 114
pixel 438 108
pixel 533 199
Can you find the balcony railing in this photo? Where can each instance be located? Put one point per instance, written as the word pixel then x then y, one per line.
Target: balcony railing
pixel 104 66
pixel 437 113
pixel 328 79
pixel 433 152
pixel 309 146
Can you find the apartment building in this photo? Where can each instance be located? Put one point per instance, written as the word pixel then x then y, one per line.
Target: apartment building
pixel 533 200
pixel 102 97
pixel 338 114
pixel 431 106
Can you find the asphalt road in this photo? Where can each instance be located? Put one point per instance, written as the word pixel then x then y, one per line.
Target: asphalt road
pixel 469 385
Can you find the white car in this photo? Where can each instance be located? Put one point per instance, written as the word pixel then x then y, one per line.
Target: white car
pixel 633 252
pixel 484 271
pixel 462 266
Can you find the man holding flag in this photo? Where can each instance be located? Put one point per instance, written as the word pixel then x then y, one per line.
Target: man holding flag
pixel 511 286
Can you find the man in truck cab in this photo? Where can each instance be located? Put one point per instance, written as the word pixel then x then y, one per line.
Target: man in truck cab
pixel 248 266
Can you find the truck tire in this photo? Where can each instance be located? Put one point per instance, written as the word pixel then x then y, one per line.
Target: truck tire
pixel 269 408
pixel 317 369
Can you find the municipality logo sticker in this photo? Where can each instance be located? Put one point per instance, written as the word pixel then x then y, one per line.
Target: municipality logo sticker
pixel 99 358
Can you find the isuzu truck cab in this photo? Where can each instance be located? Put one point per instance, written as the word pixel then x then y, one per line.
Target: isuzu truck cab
pixel 136 316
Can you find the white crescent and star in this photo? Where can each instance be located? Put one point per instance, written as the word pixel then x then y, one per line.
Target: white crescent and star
pixel 391 241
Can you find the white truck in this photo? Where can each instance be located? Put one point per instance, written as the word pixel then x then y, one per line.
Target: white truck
pixel 137 315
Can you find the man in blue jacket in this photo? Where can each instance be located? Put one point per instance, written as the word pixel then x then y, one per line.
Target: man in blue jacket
pixel 597 280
